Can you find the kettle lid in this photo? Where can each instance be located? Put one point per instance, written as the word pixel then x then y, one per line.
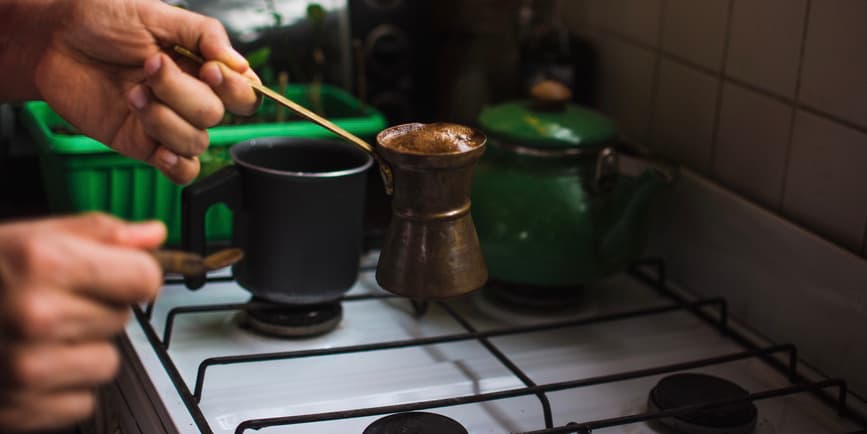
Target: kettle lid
pixel 548 121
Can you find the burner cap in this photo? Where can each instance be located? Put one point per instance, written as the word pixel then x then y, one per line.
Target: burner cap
pixel 415 423
pixel 292 320
pixel 681 390
pixel 534 296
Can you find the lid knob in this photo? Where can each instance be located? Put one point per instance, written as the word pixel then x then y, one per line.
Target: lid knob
pixel 550 94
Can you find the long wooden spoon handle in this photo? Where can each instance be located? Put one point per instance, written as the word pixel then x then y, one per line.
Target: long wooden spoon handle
pixel 385 169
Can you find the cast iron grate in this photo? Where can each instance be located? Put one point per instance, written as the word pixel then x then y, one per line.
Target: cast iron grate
pixel 656 280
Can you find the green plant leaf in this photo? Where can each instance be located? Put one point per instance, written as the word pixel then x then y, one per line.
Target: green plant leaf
pixel 315 13
pixel 259 57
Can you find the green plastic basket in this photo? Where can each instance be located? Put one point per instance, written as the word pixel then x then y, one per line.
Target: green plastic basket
pixel 81 174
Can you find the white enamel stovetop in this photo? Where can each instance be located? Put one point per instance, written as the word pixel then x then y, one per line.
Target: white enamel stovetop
pixel 235 393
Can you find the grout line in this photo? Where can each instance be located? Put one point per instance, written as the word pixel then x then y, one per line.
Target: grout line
pixel 609 32
pixel 795 106
pixel 721 75
pixel 655 76
pixel 831 117
pixel 628 39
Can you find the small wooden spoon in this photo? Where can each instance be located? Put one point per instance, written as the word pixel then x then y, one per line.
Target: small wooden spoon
pixel 191 264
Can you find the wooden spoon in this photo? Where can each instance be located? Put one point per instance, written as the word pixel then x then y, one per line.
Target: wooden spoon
pixel 191 264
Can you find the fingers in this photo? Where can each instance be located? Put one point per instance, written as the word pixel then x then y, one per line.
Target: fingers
pixel 174 109
pixel 143 235
pixel 232 88
pixel 47 367
pixel 208 37
pixel 56 315
pixel 35 411
pixel 64 287
pixel 110 274
pixel 139 144
pixel 191 99
pixel 179 170
pixel 196 32
pixel 107 273
pixel 166 126
pixel 111 230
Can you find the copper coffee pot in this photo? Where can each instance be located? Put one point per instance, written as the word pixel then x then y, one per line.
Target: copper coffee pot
pixel 431 249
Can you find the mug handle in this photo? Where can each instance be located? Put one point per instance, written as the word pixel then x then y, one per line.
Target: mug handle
pixel 221 186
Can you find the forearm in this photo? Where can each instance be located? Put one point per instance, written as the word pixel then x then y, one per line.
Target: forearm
pixel 26 26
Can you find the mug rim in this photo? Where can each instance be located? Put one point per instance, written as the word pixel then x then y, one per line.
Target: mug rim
pixel 295 141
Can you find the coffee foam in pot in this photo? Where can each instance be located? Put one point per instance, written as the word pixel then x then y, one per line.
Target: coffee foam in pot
pixel 435 138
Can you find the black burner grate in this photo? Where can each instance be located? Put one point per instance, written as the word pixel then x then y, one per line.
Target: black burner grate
pixel 655 281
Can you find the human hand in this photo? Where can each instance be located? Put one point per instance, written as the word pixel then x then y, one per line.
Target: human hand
pixel 65 289
pixel 106 71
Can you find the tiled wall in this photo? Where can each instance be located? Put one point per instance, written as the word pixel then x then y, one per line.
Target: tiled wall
pixel 767 97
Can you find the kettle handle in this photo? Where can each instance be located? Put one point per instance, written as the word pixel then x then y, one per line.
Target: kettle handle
pixel 607 167
pixel 221 186
pixel 610 164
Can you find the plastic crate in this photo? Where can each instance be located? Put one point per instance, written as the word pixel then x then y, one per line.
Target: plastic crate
pixel 81 174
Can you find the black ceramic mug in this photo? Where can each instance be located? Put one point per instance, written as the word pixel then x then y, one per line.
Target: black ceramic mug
pixel 298 208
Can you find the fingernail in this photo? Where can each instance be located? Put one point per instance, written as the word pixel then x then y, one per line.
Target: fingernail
pixel 153 65
pixel 138 97
pixel 168 158
pixel 250 74
pixel 237 58
pixel 213 75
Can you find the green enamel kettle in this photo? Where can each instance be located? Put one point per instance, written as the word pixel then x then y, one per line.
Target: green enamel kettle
pixel 554 203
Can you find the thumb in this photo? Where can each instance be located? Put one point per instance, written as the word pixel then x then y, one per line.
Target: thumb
pixel 111 230
pixel 172 25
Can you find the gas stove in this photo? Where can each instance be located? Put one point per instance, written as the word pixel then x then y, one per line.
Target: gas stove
pixel 631 355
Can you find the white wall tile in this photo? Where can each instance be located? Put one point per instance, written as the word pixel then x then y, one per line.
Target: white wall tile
pixel 778 278
pixel 835 64
pixel 636 19
pixel 683 115
pixel 765 43
pixel 627 82
pixel 696 30
pixel 826 184
pixel 751 144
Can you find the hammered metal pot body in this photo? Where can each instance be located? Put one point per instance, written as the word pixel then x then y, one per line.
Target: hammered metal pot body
pixel 431 249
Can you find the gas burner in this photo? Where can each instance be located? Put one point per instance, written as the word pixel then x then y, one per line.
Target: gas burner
pixel 415 422
pixel 292 321
pixel 690 389
pixel 533 297
pixel 515 305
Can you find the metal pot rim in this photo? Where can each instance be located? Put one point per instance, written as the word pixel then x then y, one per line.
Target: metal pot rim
pixel 299 142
